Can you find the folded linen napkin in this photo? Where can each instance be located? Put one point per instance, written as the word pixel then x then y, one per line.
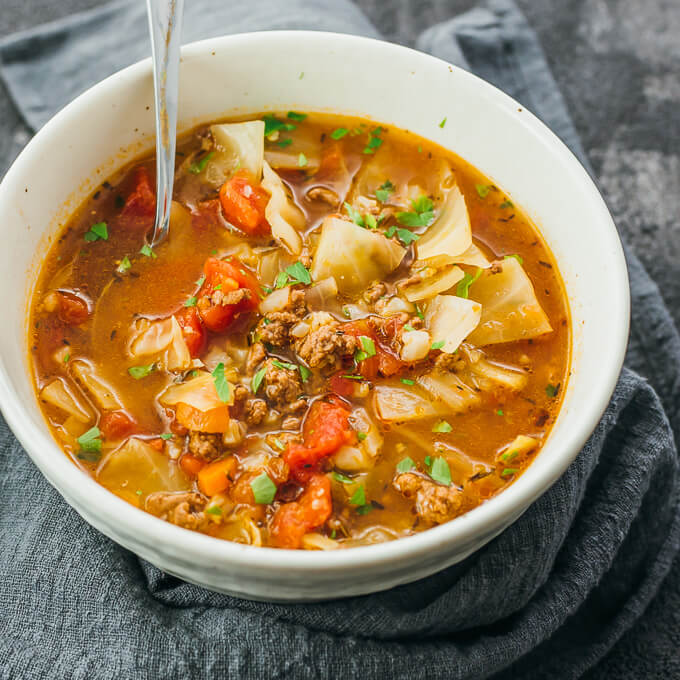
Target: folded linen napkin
pixel 546 599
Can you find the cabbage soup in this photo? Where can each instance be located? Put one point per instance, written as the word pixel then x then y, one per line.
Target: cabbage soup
pixel 350 335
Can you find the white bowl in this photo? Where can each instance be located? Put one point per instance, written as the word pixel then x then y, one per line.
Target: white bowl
pixel 113 122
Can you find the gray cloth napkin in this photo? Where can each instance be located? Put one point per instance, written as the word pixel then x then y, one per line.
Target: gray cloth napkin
pixel 546 599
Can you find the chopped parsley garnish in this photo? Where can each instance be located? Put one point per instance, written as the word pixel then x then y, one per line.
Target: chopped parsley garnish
pixel 283 143
pixel 124 265
pixel 370 222
pixel 384 191
pixel 408 327
pixel 302 160
pixel 339 133
pixel 499 412
pixel 333 533
pixel 408 381
pixel 440 471
pixel 284 364
pixel 515 256
pixel 221 384
pixel 428 460
pixel 359 496
pixel 273 124
pixel 96 232
pixel 352 377
pixel 368 350
pixel 214 510
pixel 419 313
pixel 67 356
pixel 438 344
pixel 374 140
pixel 139 372
pixel 147 251
pixel 405 464
pixel 510 455
pixel 421 216
pixel 90 442
pixel 552 390
pixel 361 436
pixel 299 117
pixel 302 75
pixel 191 302
pixel 507 203
pixel 463 288
pixel 281 280
pixel 279 444
pixel 364 509
pixel 167 435
pixel 353 214
pixel 343 479
pixel 404 235
pixel 200 281
pixel 199 166
pixel 507 472
pixel 483 190
pixel 443 123
pixel 257 380
pixel 263 488
pixel 299 273
pixel 305 373
pixel 442 426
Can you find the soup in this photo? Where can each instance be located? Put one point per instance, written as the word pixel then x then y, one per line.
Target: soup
pixel 350 335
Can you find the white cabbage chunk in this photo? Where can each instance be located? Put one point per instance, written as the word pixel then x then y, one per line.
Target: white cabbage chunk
pixel 449 391
pixel 238 146
pixel 362 456
pixel 517 451
pixel 473 256
pixel 433 281
pixel 486 375
pixel 320 294
pixel 136 466
pixel 199 393
pixel 163 340
pixel 451 319
pixel 101 392
pixel 59 394
pixel 275 301
pixel 510 309
pixel 287 157
pixel 284 217
pixel 415 345
pixel 316 541
pixel 397 404
pixel 451 234
pixel 353 256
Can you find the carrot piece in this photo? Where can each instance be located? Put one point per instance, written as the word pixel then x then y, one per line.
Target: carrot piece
pixel 243 203
pixel 156 443
pixel 215 477
pixel 214 420
pixel 191 465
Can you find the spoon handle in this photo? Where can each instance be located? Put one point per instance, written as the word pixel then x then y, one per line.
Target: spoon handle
pixel 165 25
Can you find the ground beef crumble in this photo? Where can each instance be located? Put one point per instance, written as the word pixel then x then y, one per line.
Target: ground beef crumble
pixel 325 344
pixel 274 329
pixel 434 503
pixel 282 385
pixel 183 509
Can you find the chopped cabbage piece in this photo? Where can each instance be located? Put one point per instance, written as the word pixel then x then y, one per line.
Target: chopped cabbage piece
pixel 284 217
pixel 162 339
pixel 397 404
pixel 237 146
pixel 58 393
pixel 450 390
pixel 362 456
pixel 450 235
pixel 136 467
pixel 315 541
pixel 415 345
pixel 102 393
pixel 451 319
pixel 275 301
pixel 510 310
pixel 353 256
pixel 473 256
pixel 434 282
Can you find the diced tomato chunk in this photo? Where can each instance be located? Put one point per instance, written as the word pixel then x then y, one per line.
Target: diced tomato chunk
pixel 116 425
pixel 342 386
pixel 191 465
pixel 193 330
pixel 293 520
pixel 228 276
pixel 385 361
pixel 72 309
pixel 243 203
pixel 142 201
pixel 325 430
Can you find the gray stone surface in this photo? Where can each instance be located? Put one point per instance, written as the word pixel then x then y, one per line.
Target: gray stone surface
pixel 618 64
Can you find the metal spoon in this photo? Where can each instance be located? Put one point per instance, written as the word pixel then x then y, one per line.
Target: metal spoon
pixel 165 25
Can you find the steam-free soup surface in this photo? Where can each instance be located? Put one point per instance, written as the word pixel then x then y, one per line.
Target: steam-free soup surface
pixel 350 336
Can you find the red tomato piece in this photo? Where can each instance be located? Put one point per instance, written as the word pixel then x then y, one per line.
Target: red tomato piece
pixel 368 367
pixel 117 425
pixel 325 430
pixel 293 520
pixel 226 276
pixel 72 309
pixel 142 201
pixel 193 330
pixel 385 361
pixel 243 203
pixel 342 386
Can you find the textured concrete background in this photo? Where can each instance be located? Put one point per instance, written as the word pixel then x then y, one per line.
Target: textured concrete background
pixel 618 64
